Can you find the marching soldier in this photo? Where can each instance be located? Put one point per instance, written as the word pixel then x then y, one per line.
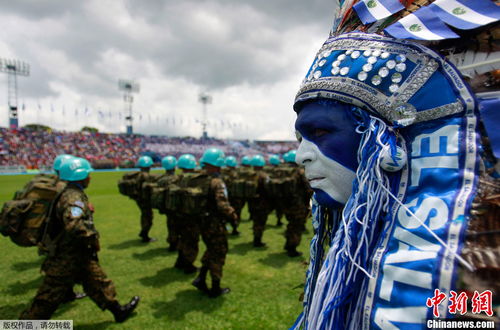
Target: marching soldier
pixel 143 201
pixel 275 161
pixel 259 206
pixel 73 248
pixel 169 163
pixel 213 229
pixel 188 225
pixel 230 173
pixel 296 206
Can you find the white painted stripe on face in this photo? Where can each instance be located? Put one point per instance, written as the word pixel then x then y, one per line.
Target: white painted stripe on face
pixel 331 177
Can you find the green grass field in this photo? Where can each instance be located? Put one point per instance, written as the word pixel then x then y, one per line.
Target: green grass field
pixel 265 283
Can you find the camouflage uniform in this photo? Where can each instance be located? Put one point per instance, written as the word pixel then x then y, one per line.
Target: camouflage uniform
pixel 297 209
pixel 173 220
pixel 228 175
pixel 72 258
pixel 213 229
pixel 259 208
pixel 144 203
pixel 277 203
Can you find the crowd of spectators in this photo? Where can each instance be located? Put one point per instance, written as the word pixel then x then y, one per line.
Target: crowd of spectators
pixel 36 149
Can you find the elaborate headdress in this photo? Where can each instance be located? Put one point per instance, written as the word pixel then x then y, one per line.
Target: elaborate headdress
pixel 403 231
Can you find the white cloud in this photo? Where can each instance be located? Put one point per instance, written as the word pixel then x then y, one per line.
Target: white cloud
pixel 250 57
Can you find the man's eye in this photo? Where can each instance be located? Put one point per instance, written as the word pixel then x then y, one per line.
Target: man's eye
pixel 318 132
pixel 298 136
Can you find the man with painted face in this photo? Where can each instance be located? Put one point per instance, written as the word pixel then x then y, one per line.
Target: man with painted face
pixel 395 167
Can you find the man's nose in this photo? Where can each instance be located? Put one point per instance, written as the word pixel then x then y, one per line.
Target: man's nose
pixel 305 153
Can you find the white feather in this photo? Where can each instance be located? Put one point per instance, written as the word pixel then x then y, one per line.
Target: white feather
pixel 472 63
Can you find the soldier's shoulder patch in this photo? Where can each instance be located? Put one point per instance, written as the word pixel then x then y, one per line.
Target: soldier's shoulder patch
pixel 80 204
pixel 76 211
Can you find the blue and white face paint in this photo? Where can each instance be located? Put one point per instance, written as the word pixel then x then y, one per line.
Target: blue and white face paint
pixel 328 148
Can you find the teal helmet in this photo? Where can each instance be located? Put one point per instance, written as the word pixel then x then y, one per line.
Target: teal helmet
pixel 274 160
pixel 168 162
pixel 59 160
pixel 245 160
pixel 231 161
pixel 258 161
pixel 289 157
pixel 144 161
pixel 75 169
pixel 213 156
pixel 187 162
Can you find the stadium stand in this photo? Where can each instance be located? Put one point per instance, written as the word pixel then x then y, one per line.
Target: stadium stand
pixel 35 149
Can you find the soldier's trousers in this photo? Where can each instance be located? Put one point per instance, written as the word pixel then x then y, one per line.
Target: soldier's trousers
pixel 146 218
pixel 189 238
pixel 259 224
pixel 54 290
pixel 173 228
pixel 213 233
pixel 237 205
pixel 294 229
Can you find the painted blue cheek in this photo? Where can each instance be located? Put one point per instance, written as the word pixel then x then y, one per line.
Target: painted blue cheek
pixel 325 200
pixel 341 142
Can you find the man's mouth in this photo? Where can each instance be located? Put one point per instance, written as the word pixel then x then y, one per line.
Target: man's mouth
pixel 315 179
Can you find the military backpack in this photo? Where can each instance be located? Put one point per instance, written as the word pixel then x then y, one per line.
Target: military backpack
pixel 24 218
pixel 128 185
pixel 283 182
pixel 158 191
pixel 245 185
pixel 190 195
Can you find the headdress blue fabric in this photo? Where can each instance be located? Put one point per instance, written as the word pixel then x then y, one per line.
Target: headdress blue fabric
pixel 213 156
pixel 144 162
pixel 187 162
pixel 274 160
pixel 75 169
pixel 168 163
pixel 231 161
pixel 399 234
pixel 258 161
pixel 59 160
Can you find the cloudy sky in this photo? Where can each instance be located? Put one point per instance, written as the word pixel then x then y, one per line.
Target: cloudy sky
pixel 250 56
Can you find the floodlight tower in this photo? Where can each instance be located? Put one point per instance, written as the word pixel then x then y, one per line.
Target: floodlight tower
pixel 128 87
pixel 205 99
pixel 13 68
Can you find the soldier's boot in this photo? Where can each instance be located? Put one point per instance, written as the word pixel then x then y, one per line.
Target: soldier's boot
pixel 292 252
pixel 190 268
pixel 257 241
pixel 145 237
pixel 216 290
pixel 123 312
pixel 201 281
pixel 180 262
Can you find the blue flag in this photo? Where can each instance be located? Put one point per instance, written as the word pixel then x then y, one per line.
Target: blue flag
pixel 466 14
pixel 370 11
pixel 422 24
